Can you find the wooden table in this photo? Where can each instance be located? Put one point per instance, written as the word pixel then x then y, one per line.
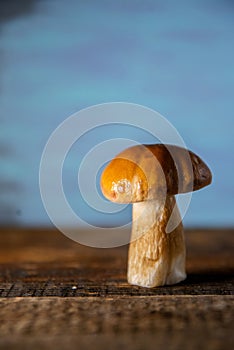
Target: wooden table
pixel 57 294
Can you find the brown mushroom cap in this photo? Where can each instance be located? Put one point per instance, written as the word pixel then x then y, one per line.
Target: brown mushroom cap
pixel 143 172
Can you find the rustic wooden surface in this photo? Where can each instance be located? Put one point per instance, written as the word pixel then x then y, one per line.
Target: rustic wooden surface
pixel 55 293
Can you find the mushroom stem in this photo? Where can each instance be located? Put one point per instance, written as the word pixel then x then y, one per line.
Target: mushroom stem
pixel 156 257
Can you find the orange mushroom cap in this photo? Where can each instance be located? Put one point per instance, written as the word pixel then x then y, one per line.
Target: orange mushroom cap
pixel 143 172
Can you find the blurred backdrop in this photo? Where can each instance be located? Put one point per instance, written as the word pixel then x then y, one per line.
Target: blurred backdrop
pixel 58 57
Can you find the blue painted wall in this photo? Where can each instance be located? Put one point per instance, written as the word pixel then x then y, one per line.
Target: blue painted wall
pixel 176 57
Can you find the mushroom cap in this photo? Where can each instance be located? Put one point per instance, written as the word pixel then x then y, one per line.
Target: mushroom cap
pixel 145 172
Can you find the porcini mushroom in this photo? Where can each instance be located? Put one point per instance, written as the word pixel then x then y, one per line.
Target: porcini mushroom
pixel 149 176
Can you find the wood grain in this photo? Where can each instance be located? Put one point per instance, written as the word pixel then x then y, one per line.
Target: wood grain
pixel 55 293
pixel 135 322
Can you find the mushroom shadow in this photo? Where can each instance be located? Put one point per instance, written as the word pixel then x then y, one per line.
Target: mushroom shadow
pixel 210 277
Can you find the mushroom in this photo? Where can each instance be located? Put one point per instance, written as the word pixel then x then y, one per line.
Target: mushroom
pixel 149 176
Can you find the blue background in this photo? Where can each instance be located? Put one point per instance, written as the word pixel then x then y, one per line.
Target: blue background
pixel 57 57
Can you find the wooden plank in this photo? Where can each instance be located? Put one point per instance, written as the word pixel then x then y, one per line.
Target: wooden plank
pixel 46 263
pixel 171 322
pixel 55 293
pixel 114 287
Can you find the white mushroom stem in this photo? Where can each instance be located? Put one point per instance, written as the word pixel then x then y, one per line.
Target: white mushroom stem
pixel 156 257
